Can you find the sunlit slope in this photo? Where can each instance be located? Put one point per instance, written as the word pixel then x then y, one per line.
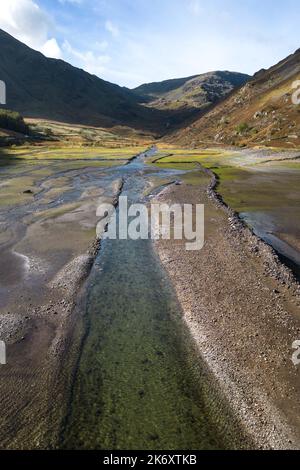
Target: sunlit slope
pixel 261 112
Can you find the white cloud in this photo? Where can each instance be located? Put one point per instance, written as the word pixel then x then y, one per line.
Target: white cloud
pixel 88 60
pixel 199 37
pixel 52 49
pixel 26 21
pixel 195 7
pixel 112 29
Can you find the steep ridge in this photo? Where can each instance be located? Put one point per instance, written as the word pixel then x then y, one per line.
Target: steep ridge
pixel 262 112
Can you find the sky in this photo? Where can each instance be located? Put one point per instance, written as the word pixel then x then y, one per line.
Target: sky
pixel 130 42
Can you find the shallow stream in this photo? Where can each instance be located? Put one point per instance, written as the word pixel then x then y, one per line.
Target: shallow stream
pixel 139 382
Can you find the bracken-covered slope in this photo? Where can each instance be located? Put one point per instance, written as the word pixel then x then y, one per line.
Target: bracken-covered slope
pixel 39 87
pixel 199 91
pixel 261 112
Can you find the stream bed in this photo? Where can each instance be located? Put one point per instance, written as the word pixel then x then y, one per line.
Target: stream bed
pixel 139 380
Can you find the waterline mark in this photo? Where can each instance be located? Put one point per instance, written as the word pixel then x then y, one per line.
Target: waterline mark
pixel 159 221
pixel 2 353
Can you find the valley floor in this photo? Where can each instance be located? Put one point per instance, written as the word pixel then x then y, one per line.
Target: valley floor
pixel 241 305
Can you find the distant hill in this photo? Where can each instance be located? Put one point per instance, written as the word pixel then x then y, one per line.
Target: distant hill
pixel 215 107
pixel 261 112
pixel 39 87
pixel 196 92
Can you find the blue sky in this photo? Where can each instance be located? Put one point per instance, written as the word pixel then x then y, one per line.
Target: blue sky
pixel 134 41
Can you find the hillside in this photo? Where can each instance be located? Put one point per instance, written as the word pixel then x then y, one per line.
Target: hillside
pixel 261 112
pixel 39 87
pixel 198 92
pixel 51 89
pixel 216 107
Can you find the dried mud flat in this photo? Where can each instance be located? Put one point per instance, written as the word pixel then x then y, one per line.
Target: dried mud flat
pixel 48 249
pixel 242 307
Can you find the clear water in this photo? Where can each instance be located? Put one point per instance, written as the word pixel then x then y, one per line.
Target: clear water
pixel 139 381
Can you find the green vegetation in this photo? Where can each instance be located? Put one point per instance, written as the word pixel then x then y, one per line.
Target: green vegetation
pixel 189 159
pixel 87 136
pixel 243 128
pixel 178 166
pixel 276 190
pixel 12 191
pixel 13 121
pixel 100 154
pixel 195 178
pixel 292 164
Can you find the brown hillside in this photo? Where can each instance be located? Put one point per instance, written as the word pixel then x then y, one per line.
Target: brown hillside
pixel 259 113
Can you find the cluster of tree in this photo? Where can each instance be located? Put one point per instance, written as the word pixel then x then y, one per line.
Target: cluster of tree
pixel 13 121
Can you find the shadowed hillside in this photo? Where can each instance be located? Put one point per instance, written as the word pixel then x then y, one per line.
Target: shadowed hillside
pixel 43 88
pixel 39 87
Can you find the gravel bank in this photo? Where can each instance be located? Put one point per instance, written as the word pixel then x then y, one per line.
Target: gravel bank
pixel 242 307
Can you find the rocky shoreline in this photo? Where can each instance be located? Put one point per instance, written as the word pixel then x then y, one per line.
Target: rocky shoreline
pixel 274 267
pixel 241 305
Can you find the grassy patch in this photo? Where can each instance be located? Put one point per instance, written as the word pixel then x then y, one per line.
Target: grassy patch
pixel 292 165
pixel 176 166
pixel 13 121
pixel 12 191
pixel 243 128
pixel 74 153
pixel 195 178
pixel 207 160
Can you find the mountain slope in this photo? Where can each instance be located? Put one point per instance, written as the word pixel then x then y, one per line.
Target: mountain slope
pixel 199 91
pixel 261 112
pixel 39 87
pixel 156 89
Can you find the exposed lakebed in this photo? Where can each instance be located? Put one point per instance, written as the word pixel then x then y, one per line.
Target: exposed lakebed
pixel 267 198
pixel 139 383
pixel 263 186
